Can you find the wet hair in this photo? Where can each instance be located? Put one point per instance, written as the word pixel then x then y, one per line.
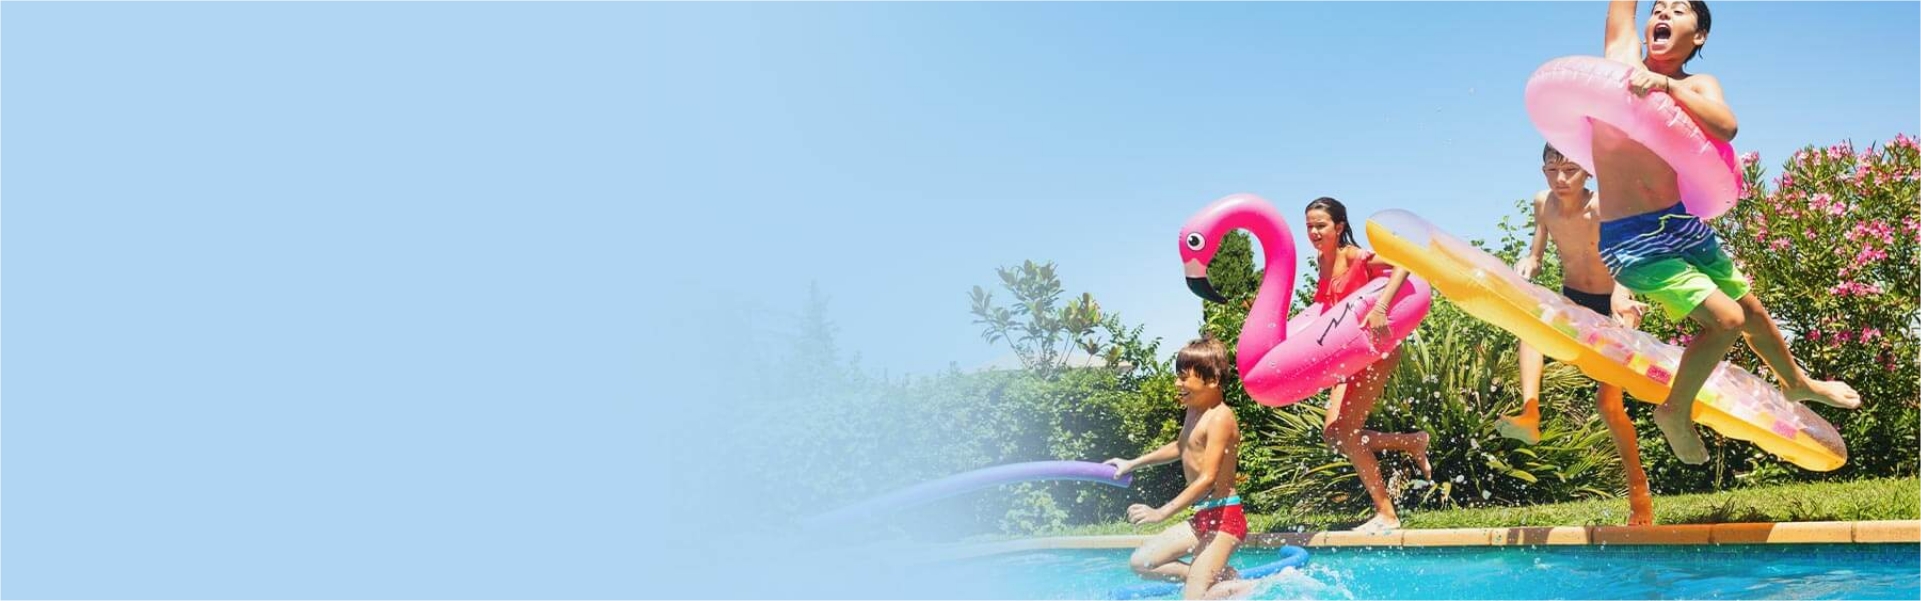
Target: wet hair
pixel 1549 154
pixel 1337 212
pixel 1206 355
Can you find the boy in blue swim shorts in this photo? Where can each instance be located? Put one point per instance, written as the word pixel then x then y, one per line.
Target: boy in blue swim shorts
pixel 1651 244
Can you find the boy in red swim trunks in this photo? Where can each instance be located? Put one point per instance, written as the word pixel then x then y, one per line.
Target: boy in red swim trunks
pixel 1210 437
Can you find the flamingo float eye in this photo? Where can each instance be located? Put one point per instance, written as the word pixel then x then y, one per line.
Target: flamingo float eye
pixel 1195 241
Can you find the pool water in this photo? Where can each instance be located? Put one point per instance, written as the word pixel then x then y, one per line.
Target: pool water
pixel 1889 571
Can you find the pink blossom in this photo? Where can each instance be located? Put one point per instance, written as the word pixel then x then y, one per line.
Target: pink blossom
pixel 1879 230
pixel 1902 140
pixel 1854 289
pixel 1750 158
pixel 1870 334
pixel 1778 244
pixel 1814 335
pixel 1869 255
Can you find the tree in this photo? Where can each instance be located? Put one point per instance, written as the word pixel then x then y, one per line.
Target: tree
pixel 1041 330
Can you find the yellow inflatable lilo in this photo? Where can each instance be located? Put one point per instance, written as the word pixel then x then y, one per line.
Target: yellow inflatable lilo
pixel 1733 402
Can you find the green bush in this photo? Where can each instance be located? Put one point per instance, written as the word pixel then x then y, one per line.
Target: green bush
pixel 1831 247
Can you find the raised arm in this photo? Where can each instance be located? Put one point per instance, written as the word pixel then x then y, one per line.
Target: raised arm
pixel 1622 43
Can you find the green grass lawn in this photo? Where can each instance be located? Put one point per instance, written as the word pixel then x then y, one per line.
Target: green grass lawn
pixel 1880 499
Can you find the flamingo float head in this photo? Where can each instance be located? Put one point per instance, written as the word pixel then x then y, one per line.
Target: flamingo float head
pixel 1201 236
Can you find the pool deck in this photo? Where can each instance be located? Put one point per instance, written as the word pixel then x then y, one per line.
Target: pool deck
pixel 1885 531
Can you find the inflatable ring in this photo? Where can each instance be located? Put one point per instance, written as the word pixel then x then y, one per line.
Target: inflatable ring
pixel 1281 360
pixel 1564 94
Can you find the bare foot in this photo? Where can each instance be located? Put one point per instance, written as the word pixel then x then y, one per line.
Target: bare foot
pixel 1525 427
pixel 1678 428
pixel 1379 525
pixel 1640 510
pixel 1833 393
pixel 1420 456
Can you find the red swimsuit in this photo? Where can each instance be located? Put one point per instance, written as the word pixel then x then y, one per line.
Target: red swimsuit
pixel 1359 272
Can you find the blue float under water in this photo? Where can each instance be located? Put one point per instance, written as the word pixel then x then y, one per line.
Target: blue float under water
pixel 1290 557
pixel 1882 571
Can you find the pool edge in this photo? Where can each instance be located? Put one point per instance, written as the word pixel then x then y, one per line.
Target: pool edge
pixel 1766 533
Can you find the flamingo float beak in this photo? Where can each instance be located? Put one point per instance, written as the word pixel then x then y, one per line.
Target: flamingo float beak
pixel 1197 282
pixel 1205 290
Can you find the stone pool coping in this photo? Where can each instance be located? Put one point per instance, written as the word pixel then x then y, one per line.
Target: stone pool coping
pixel 1880 531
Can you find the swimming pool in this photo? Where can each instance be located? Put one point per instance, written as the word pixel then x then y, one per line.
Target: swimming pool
pixel 1876 571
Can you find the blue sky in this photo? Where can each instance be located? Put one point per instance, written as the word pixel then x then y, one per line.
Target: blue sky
pixel 404 300
pixel 902 152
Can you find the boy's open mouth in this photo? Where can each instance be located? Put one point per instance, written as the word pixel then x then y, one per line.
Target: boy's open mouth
pixel 1662 32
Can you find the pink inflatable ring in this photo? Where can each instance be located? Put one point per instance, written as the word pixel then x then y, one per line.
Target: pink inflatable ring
pixel 1566 92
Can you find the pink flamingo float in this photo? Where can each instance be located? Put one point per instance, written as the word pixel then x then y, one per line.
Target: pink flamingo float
pixel 1315 350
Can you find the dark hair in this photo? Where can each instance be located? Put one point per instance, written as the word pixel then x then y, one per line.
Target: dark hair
pixel 1549 154
pixel 1206 356
pixel 1338 212
pixel 1703 20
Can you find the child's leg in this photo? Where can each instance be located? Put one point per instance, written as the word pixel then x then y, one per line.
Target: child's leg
pixel 1159 558
pixel 1412 443
pixel 1526 427
pixel 1210 564
pixel 1721 321
pixel 1614 411
pixel 1347 411
pixel 1767 342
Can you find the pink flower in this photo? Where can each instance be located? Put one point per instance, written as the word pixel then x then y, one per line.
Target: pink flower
pixel 1902 140
pixel 1823 203
pixel 1814 335
pixel 1778 244
pixel 1854 289
pixel 1879 230
pixel 1869 255
pixel 1870 334
pixel 1750 158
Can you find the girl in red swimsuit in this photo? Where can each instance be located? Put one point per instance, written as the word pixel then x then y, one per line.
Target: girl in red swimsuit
pixel 1345 267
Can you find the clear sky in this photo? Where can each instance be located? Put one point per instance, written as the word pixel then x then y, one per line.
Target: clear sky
pixel 406 300
pixel 897 154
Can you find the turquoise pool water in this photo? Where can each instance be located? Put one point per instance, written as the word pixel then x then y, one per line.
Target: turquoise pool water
pixel 1541 572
